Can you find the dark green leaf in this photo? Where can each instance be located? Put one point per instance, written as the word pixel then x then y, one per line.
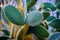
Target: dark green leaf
pixel 30 3
pixel 6 32
pixel 34 18
pixel 58 6
pixel 57 2
pixel 55 23
pixel 48 5
pixel 14 15
pixel 39 31
pixel 58 30
pixel 46 14
pixel 4 38
pixel 50 18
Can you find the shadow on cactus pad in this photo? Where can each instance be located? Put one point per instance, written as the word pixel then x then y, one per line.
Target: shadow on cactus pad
pixel 4 38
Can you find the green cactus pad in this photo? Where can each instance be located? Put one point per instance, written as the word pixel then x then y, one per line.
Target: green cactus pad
pixel 40 31
pixel 6 32
pixel 57 2
pixel 34 18
pixel 4 38
pixel 55 23
pixel 58 6
pixel 48 5
pixel 14 15
pixel 50 18
pixel 30 3
pixel 46 14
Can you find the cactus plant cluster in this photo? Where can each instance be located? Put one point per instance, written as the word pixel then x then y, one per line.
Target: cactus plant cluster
pixel 36 23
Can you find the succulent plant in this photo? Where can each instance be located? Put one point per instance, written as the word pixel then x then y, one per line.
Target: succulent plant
pixel 58 6
pixel 55 23
pixel 10 12
pixel 50 5
pixel 46 14
pixel 32 19
pixel 36 21
pixel 55 36
pixel 6 32
pixel 4 38
pixel 57 2
pixel 39 31
pixel 50 18
pixel 31 3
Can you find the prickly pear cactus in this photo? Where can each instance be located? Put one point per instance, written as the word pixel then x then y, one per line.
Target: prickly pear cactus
pixel 55 36
pixel 34 21
pixel 50 5
pixel 34 18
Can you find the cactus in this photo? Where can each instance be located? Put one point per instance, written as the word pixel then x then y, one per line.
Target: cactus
pixel 30 3
pixel 39 31
pixel 6 32
pixel 58 6
pixel 55 23
pixel 13 15
pixel 34 18
pixel 57 2
pixel 36 22
pixel 50 5
pixel 50 18
pixel 4 38
pixel 46 14
pixel 55 36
